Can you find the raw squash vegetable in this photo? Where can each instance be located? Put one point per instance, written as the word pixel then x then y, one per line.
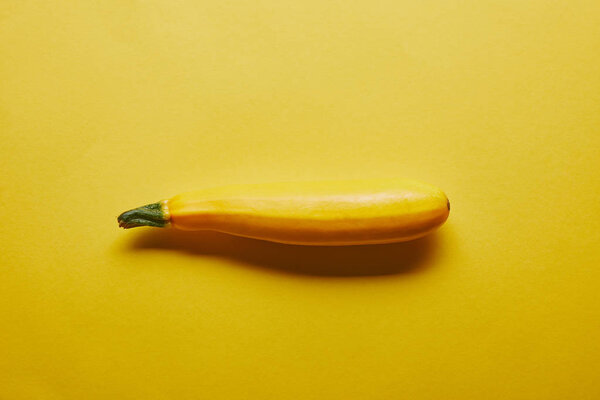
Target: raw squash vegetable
pixel 309 213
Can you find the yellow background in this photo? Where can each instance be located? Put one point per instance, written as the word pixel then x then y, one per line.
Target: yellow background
pixel 109 105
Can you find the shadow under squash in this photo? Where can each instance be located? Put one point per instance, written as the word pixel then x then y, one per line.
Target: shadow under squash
pixel 362 260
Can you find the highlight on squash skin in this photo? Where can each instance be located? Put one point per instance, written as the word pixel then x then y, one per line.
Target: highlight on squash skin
pixel 309 213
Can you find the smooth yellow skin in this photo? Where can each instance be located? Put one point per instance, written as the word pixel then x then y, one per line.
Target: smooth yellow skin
pixel 315 213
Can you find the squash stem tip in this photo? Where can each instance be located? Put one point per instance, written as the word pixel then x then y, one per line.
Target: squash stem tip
pixel 148 215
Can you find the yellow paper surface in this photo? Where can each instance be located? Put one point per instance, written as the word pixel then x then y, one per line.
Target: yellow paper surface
pixel 106 106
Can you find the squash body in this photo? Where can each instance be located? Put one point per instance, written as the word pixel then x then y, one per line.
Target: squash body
pixel 315 213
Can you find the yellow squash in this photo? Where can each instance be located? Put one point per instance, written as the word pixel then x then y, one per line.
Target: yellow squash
pixel 310 213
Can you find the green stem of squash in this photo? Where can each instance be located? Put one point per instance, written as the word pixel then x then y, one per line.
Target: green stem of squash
pixel 148 215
